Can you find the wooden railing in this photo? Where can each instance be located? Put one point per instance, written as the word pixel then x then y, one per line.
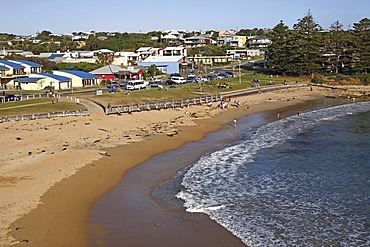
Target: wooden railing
pixel 194 101
pixel 45 115
pixel 163 105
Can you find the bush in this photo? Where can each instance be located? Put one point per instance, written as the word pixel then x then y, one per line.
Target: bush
pixel 364 78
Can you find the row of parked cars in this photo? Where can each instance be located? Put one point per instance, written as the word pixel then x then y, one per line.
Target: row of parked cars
pixel 175 79
pixel 191 78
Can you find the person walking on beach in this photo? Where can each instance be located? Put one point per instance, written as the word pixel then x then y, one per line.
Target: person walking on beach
pixel 278 113
pixel 234 122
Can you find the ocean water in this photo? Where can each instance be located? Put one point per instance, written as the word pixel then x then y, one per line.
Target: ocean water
pixel 298 181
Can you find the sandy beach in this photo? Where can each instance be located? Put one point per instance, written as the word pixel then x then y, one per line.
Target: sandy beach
pixel 53 170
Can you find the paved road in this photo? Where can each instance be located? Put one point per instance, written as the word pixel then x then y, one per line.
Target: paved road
pixel 93 108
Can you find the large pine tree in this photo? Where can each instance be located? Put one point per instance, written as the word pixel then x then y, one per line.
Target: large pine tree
pixel 279 53
pixel 309 53
pixel 362 45
pixel 334 46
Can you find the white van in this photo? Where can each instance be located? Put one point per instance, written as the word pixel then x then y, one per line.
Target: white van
pixel 136 84
pixel 178 79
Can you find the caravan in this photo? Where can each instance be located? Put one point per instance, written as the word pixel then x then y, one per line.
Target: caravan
pixel 136 84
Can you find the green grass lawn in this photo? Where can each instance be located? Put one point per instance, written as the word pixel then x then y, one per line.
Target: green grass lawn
pixel 35 106
pixel 185 91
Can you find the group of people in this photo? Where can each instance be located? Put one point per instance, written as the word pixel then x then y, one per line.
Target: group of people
pixel 224 102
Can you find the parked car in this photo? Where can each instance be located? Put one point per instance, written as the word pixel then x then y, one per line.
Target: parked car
pixel 202 78
pixel 231 74
pixel 178 79
pixel 212 77
pixel 170 82
pixel 123 84
pixel 12 97
pixel 136 84
pixel 156 84
pixel 222 75
pixel 191 79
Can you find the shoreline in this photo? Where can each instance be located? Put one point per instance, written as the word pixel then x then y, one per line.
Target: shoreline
pixel 148 192
pixel 62 216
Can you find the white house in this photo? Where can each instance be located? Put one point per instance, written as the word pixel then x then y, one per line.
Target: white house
pixel 29 66
pixel 38 81
pixel 175 51
pixel 168 64
pixel 79 78
pixel 10 71
pixel 258 42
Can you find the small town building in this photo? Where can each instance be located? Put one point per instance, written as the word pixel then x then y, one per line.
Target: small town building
pixel 114 72
pixel 79 78
pixel 39 81
pixel 168 64
pixel 11 71
pixel 29 66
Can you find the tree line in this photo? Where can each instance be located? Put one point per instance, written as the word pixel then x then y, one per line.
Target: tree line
pixel 307 48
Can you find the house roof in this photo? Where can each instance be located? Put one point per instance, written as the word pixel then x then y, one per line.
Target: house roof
pixel 141 49
pixel 3 68
pixel 27 54
pixel 170 36
pixel 170 48
pixel 82 74
pixel 153 59
pixel 108 69
pixel 56 55
pixel 103 51
pixel 45 54
pixel 29 79
pixel 133 71
pixel 29 63
pixel 196 38
pixel 56 77
pixel 12 64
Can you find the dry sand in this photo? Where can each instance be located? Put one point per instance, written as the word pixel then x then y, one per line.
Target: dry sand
pixel 53 170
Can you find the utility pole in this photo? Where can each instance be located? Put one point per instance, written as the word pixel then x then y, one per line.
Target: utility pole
pixel 240 75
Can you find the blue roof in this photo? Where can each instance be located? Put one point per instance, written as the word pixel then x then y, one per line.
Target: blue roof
pixel 82 74
pixel 29 63
pixel 3 67
pixel 56 77
pixel 55 55
pixel 12 64
pixel 29 79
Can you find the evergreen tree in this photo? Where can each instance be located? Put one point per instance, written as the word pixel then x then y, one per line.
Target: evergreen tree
pixel 278 54
pixel 338 48
pixel 334 46
pixel 362 45
pixel 307 58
